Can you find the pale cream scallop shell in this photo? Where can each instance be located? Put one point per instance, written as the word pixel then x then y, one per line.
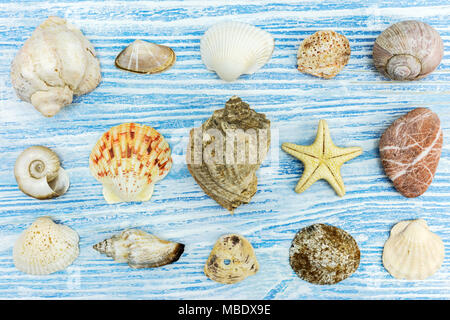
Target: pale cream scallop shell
pixel 412 251
pixel 39 174
pixel 45 247
pixel 145 57
pixel 234 48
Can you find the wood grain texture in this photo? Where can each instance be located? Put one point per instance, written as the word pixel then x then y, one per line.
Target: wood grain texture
pixel 359 104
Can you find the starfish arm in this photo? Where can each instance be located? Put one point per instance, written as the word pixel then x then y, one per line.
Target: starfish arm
pixel 303 153
pixel 311 174
pixel 322 137
pixel 332 175
pixel 345 154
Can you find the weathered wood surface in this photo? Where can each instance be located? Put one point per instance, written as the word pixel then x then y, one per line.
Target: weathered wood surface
pixel 359 104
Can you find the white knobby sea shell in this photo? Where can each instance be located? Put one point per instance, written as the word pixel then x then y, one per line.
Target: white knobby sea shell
pixel 54 64
pixel 140 249
pixel 235 48
pixel 408 50
pixel 39 174
pixel 145 57
pixel 128 160
pixel 412 251
pixel 45 247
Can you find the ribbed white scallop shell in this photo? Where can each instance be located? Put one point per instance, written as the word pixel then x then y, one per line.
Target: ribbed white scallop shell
pixel 235 48
pixel 412 251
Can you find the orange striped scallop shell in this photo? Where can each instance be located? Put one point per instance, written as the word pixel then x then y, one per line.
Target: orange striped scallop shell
pixel 128 160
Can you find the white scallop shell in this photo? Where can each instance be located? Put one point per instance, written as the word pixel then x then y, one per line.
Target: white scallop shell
pixel 45 247
pixel 412 251
pixel 234 48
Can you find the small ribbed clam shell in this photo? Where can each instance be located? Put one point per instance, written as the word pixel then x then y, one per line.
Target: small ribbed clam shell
pixel 128 160
pixel 140 249
pixel 45 247
pixel 408 50
pixel 412 251
pixel 234 48
pixel 323 54
pixel 323 254
pixel 39 174
pixel 145 57
pixel 232 259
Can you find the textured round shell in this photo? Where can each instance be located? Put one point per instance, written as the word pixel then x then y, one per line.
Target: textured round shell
pixel 232 259
pixel 412 251
pixel 408 50
pixel 145 57
pixel 140 249
pixel 323 54
pixel 45 247
pixel 128 160
pixel 39 174
pixel 234 48
pixel 323 254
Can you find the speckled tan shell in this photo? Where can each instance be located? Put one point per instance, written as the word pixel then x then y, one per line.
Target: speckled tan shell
pixel 140 249
pixel 408 50
pixel 145 57
pixel 128 160
pixel 45 247
pixel 323 54
pixel 323 254
pixel 232 259
pixel 412 251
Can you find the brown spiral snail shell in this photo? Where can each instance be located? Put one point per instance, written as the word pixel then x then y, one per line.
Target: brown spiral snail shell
pixel 408 50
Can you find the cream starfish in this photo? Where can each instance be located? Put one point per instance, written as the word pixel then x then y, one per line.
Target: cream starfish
pixel 322 160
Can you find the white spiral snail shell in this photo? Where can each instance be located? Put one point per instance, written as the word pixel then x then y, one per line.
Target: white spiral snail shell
pixel 39 174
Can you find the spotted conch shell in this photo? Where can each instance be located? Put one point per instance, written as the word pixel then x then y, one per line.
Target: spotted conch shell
pixel 412 251
pixel 225 152
pixel 128 160
pixel 45 247
pixel 55 63
pixel 145 57
pixel 232 259
pixel 323 54
pixel 140 249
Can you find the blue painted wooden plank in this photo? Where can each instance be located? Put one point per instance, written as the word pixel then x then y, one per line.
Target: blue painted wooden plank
pixel 359 105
